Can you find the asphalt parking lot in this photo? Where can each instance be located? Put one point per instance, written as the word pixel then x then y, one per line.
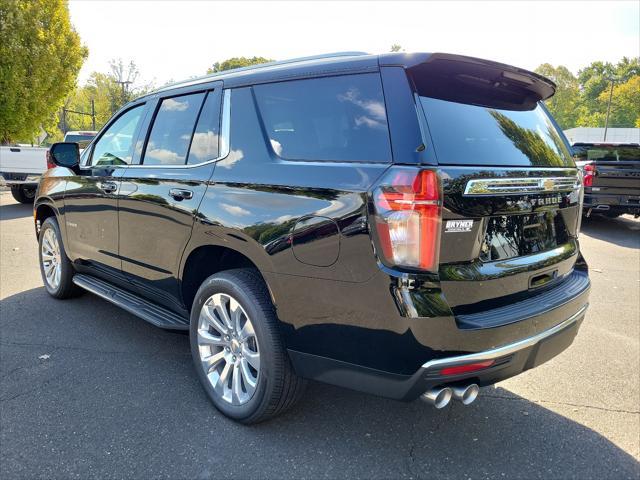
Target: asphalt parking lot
pixel 88 390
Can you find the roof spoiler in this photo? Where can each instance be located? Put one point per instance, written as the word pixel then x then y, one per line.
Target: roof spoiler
pixel 476 81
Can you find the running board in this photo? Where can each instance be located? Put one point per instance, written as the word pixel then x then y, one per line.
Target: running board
pixel 158 316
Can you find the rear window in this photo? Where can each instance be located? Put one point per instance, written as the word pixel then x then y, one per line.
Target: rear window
pixel 337 119
pixel 611 153
pixel 475 135
pixel 81 140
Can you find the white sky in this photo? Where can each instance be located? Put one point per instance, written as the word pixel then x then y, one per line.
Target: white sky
pixel 174 40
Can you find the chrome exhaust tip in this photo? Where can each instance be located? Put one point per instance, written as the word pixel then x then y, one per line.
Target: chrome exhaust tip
pixel 465 394
pixel 437 397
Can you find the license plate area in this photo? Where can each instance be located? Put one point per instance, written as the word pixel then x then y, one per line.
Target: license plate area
pixel 509 236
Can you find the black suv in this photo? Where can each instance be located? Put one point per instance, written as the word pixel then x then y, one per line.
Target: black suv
pixel 403 224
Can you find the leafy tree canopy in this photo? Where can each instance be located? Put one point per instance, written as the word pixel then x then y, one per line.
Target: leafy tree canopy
pixel 108 93
pixel 582 100
pixel 565 101
pixel 237 62
pixel 41 56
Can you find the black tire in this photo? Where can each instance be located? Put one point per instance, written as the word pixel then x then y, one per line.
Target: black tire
pixel 23 194
pixel 65 288
pixel 278 387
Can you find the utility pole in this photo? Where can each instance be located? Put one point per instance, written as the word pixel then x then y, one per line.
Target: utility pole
pixel 123 84
pixel 93 115
pixel 124 75
pixel 606 122
pixel 64 116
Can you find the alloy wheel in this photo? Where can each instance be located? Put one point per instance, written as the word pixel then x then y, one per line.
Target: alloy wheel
pixel 228 349
pixel 50 258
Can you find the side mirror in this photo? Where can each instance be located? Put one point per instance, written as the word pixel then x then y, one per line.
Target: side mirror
pixel 64 154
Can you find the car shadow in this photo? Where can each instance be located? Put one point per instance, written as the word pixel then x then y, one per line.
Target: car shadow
pixel 623 230
pixel 110 372
pixel 15 210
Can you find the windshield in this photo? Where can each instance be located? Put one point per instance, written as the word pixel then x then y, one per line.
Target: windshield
pixel 612 153
pixel 474 135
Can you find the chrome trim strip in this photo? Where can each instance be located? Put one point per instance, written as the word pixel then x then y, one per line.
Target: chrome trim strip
pixel 225 133
pixel 506 349
pixel 225 127
pixel 520 186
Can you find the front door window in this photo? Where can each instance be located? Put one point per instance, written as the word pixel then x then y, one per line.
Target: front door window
pixel 115 146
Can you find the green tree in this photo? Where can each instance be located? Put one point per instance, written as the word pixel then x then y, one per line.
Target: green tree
pixel 108 92
pixel 396 48
pixel 625 103
pixel 582 101
pixel 595 82
pixel 627 68
pixel 41 56
pixel 563 104
pixel 237 62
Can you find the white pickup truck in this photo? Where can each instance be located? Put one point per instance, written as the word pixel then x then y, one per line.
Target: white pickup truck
pixel 21 166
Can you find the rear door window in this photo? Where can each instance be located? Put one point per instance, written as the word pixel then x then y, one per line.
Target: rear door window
pixel 337 119
pixel 466 134
pixel 172 130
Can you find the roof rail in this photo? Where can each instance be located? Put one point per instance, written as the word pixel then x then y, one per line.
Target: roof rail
pixel 263 65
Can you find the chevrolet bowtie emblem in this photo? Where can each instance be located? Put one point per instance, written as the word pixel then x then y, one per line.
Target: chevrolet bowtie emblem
pixel 519 185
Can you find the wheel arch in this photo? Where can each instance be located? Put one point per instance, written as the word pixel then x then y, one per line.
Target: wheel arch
pixel 205 260
pixel 43 210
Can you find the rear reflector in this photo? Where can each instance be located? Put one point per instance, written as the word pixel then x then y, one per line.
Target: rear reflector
pixel 408 218
pixel 469 367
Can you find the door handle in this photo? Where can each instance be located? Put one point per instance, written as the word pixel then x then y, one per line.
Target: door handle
pixel 180 194
pixel 108 187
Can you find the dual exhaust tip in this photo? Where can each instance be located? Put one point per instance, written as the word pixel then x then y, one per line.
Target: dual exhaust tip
pixel 440 397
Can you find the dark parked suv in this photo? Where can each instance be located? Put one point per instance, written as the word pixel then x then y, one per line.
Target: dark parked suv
pixel 404 225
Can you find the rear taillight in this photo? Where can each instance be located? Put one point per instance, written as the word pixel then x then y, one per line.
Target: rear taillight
pixel 589 172
pixel 50 163
pixel 408 218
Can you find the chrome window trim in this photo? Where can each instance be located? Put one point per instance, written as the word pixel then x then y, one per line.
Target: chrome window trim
pixel 505 349
pixel 520 186
pixel 224 140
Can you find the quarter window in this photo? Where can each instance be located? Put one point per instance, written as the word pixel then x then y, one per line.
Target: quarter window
pixel 332 119
pixel 205 143
pixel 114 147
pixel 172 130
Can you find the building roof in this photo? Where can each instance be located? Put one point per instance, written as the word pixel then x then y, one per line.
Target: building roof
pixel 596 135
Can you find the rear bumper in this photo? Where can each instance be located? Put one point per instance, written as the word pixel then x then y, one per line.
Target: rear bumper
pixel 9 179
pixel 612 203
pixel 509 360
